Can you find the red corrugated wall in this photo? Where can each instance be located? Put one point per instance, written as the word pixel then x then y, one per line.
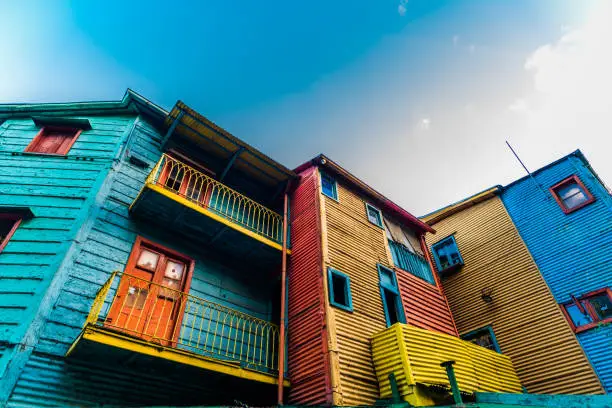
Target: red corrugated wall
pixel 308 363
pixel 424 304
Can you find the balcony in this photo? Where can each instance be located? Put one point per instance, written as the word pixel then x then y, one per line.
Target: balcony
pixel 414 355
pixel 179 197
pixel 407 260
pixel 146 320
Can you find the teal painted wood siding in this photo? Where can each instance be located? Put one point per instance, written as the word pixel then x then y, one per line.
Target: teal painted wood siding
pixel 103 235
pixel 56 189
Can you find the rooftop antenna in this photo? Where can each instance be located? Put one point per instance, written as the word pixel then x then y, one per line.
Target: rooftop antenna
pixel 525 167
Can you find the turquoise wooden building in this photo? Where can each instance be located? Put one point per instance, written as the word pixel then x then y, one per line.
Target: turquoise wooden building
pixel 141 258
pixel 563 212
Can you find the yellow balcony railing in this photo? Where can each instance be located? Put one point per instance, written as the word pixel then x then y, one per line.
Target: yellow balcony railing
pixel 166 317
pixel 414 356
pixel 204 191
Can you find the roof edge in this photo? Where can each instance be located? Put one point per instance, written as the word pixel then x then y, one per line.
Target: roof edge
pixel 445 212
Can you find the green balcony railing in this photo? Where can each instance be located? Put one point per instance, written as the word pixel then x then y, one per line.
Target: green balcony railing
pixel 407 260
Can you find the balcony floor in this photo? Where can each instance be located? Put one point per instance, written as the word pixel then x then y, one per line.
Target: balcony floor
pixel 101 343
pixel 169 210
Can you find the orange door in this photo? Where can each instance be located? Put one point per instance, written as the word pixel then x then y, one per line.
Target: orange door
pixel 150 298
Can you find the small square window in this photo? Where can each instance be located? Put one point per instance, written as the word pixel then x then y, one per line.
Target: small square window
pixel 484 338
pixel 389 292
pixel 589 310
pixel 339 289
pixel 571 194
pixel 447 255
pixel 329 186
pixel 53 140
pixel 374 215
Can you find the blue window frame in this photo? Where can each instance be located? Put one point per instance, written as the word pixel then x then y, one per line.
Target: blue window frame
pixel 484 337
pixel 374 215
pixel 446 254
pixel 389 292
pixel 329 186
pixel 339 289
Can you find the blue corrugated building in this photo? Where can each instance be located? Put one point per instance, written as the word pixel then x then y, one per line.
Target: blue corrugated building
pixel 140 258
pixel 563 212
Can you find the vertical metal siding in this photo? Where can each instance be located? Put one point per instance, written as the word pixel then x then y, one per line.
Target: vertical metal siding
pixel 424 305
pixel 571 250
pixel 527 321
pixel 308 364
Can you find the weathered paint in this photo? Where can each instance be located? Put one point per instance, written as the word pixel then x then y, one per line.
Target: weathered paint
pixel 81 202
pixel 571 250
pixel 552 401
pixel 418 364
pixel 308 362
pixel 527 322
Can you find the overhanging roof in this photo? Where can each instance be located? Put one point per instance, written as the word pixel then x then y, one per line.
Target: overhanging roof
pixel 386 205
pixel 460 205
pixel 219 142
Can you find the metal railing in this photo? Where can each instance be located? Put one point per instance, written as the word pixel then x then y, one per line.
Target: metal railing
pixel 161 315
pixel 407 260
pixel 206 192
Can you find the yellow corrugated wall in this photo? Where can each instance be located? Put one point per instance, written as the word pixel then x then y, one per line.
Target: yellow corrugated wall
pixel 528 324
pixel 354 247
pixel 414 355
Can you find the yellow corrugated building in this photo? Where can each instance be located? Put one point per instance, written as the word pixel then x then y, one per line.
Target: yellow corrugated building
pixel 499 290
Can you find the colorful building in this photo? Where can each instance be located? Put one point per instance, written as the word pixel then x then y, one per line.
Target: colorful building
pixel 563 212
pixel 364 303
pixel 141 258
pixel 524 268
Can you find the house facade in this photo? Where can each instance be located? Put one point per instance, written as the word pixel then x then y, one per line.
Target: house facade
pixel 564 215
pixel 500 299
pixel 364 303
pixel 141 258
pixel 525 269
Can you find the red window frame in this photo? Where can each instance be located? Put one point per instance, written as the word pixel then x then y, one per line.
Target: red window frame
pixel 571 179
pixel 16 218
pixel 64 147
pixel 596 321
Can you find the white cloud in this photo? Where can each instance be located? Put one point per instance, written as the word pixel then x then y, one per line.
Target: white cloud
pixel 455 40
pixel 519 105
pixel 425 123
pixel 401 8
pixel 472 48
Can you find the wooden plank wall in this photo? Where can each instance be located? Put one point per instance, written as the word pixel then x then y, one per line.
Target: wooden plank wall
pixel 527 322
pixel 308 362
pixel 105 248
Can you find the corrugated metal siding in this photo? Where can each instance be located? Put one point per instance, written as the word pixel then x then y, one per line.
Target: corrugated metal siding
pixel 424 305
pixel 421 352
pixel 55 189
pixel 571 250
pixel 527 322
pixel 597 344
pixel 355 246
pixel 308 363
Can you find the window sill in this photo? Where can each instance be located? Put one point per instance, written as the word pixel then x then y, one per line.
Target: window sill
pixel 594 325
pixel 342 307
pixel 328 196
pixel 578 207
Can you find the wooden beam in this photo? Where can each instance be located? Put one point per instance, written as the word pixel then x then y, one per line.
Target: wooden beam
pixel 231 162
pixel 171 129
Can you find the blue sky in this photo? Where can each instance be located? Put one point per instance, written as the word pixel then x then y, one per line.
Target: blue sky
pixel 416 97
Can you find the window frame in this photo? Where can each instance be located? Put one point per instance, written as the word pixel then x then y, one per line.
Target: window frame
pixel 474 333
pixel 437 260
pixel 369 206
pixel 334 195
pixel 595 320
pixel 64 149
pixel 395 290
pixel 17 219
pixel 570 180
pixel 347 289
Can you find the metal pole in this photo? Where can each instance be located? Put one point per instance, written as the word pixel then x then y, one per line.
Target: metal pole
pixel 525 167
pixel 281 348
pixel 450 372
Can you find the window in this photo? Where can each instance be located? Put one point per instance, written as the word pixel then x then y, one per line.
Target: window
pixel 53 140
pixel 329 186
pixel 10 219
pixel 571 194
pixel 447 254
pixel 589 310
pixel 389 292
pixel 339 289
pixel 483 337
pixel 374 215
